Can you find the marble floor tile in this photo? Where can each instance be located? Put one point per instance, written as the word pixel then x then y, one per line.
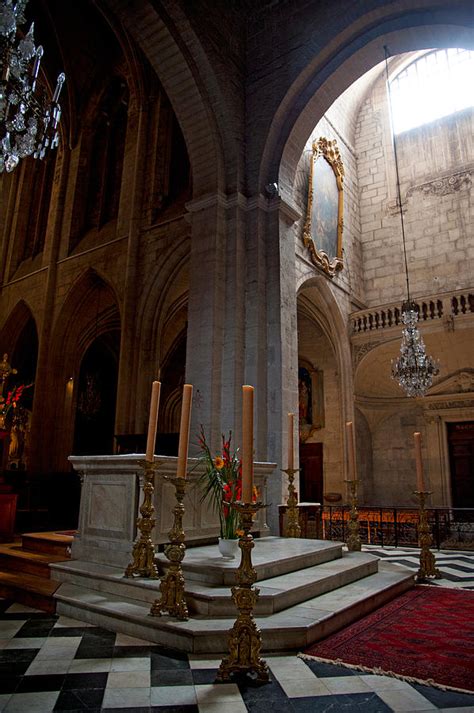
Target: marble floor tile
pixel 406 701
pixel 90 665
pixel 218 692
pixel 346 684
pixel 173 696
pixel 38 702
pixel 130 664
pixel 126 698
pixel 35 642
pixel 129 679
pixel 304 688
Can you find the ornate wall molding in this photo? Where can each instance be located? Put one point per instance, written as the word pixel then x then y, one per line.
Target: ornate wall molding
pixel 462 403
pixel 444 186
pixel 359 352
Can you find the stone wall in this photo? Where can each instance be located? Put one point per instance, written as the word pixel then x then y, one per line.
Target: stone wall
pixel 436 162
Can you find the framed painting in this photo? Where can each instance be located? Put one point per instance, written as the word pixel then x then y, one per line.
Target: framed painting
pixel 322 233
pixel 310 399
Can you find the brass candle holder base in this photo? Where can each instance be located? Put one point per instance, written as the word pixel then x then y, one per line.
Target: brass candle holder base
pixel 172 598
pixel 353 540
pixel 293 528
pixel 245 639
pixel 427 569
pixel 143 553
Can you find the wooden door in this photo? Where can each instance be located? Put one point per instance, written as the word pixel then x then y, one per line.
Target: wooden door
pixel 311 472
pixel 461 456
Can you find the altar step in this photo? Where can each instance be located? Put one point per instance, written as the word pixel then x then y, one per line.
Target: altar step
pixel 308 589
pixel 25 568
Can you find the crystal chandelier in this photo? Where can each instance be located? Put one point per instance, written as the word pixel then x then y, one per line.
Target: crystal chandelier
pixel 28 121
pixel 414 369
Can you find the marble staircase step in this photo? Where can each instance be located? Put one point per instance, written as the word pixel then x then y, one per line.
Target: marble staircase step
pixel 293 628
pixel 271 556
pixel 276 593
pixel 285 590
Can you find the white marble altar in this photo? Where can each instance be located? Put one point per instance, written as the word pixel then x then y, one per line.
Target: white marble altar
pixel 110 500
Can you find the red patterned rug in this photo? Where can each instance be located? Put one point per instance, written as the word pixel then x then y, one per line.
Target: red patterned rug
pixel 426 635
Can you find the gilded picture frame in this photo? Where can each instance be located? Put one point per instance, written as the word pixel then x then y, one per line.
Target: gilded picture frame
pixel 322 233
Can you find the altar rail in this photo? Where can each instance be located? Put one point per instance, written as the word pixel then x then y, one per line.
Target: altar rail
pixel 451 528
pixel 450 305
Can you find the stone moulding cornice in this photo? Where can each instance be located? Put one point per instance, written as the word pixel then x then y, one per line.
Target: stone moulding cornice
pixel 444 185
pixel 238 200
pixel 457 401
pixel 384 403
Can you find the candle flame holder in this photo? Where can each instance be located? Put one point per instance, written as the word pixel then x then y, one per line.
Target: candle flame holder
pixel 245 638
pixel 172 598
pixel 427 567
pixel 292 528
pixel 143 553
pixel 353 540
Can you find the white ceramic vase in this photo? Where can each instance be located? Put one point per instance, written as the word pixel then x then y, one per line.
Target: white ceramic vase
pixel 228 548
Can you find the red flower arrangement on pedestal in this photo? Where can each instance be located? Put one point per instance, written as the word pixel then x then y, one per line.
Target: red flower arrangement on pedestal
pixel 222 483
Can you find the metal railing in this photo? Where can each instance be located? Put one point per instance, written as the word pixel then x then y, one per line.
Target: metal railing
pixel 451 528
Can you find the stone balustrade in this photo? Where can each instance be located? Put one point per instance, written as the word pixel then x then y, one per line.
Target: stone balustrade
pixel 435 307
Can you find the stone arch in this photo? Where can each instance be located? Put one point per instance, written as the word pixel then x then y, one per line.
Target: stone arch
pixel 353 52
pixel 177 72
pixel 324 309
pixel 322 339
pixel 91 310
pixel 14 325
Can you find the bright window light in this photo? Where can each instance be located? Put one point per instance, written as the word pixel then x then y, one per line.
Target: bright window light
pixel 436 85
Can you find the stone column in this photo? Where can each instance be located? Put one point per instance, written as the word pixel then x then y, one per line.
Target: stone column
pixel 242 322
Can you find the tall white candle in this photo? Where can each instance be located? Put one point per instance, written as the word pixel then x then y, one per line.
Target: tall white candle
pixel 247 443
pixel 184 431
pixel 291 441
pixel 351 451
pixel 153 420
pixel 420 480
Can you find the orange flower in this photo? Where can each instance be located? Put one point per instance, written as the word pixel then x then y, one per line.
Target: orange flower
pixel 218 462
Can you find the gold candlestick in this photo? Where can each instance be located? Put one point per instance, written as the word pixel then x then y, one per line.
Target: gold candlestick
pixel 143 553
pixel 353 539
pixel 245 639
pixel 427 567
pixel 172 598
pixel 293 528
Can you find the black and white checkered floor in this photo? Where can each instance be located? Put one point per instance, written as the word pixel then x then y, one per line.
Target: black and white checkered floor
pixel 51 663
pixel 455 566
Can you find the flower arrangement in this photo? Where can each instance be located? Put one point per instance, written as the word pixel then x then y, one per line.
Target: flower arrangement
pixel 12 399
pixel 222 483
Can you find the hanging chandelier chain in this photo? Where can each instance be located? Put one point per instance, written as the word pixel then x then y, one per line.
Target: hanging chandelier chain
pixel 397 172
pixel 413 369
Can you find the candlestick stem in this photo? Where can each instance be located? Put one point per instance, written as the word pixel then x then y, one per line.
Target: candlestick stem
pixel 245 638
pixel 143 553
pixel 353 540
pixel 172 598
pixel 427 567
pixel 293 528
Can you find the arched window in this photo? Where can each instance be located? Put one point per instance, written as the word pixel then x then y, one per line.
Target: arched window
pixel 39 199
pixel 106 158
pixel 437 84
pixel 100 175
